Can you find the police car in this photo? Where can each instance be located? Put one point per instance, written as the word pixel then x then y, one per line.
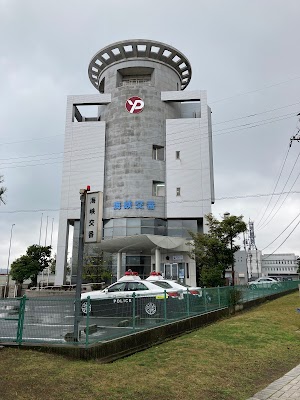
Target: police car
pixel 158 279
pixel 129 296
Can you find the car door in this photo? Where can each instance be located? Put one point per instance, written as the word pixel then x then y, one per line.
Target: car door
pixel 148 302
pixel 111 300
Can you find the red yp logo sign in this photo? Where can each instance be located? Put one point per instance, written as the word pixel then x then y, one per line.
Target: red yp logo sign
pixel 134 105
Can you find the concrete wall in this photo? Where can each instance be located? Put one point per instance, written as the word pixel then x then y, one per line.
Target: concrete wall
pixel 164 77
pixel 129 167
pixel 83 165
pixel 192 172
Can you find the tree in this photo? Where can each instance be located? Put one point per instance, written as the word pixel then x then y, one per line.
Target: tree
pixel 212 258
pixel 230 228
pixel 96 266
pixel 214 251
pixel 2 190
pixel 20 269
pixel 28 266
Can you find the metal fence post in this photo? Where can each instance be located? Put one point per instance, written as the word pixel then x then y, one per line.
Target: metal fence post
pixel 205 299
pixel 165 305
pixel 188 302
pixel 219 297
pixel 133 311
pixel 21 320
pixel 227 294
pixel 87 327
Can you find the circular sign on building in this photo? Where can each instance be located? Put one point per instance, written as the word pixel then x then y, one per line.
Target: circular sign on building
pixel 134 105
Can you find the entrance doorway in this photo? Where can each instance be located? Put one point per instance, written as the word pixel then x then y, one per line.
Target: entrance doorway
pixel 175 271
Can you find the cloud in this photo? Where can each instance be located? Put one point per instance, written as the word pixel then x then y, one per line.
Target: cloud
pixel 244 54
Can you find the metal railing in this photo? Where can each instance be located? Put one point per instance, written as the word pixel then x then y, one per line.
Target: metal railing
pixel 133 82
pixel 51 320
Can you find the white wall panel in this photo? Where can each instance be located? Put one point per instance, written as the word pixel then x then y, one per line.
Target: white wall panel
pixel 83 165
pixel 192 173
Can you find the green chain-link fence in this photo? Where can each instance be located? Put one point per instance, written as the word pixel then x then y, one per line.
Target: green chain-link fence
pixel 51 320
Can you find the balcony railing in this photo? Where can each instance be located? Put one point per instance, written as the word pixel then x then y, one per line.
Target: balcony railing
pixel 133 82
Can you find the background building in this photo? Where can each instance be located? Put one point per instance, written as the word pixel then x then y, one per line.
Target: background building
pixel 144 145
pixel 240 267
pixel 252 264
pixel 282 266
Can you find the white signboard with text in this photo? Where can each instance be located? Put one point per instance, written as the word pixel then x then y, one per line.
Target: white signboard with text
pixel 93 217
pixel 178 258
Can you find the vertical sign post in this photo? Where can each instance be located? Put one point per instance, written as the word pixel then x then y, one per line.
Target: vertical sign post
pixel 80 264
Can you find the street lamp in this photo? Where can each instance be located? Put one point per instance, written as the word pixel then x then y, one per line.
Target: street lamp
pixel 7 271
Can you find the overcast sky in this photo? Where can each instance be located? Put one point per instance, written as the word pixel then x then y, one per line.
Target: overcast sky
pixel 244 53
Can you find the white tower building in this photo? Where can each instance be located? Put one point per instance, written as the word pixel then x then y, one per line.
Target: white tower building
pixel 146 152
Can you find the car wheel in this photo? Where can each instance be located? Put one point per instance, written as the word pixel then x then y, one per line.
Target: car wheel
pixel 253 287
pixel 275 287
pixel 84 308
pixel 150 308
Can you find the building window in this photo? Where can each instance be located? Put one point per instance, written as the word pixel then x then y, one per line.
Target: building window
pixel 132 80
pixel 86 113
pixel 158 152
pixel 178 191
pixel 158 188
pixel 177 155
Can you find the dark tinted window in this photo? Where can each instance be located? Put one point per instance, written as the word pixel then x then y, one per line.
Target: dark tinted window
pixel 164 285
pixel 118 287
pixel 133 286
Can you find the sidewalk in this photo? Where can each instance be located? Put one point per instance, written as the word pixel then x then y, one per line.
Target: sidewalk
pixel 287 387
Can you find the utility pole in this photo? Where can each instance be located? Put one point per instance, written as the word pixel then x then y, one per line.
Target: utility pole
pixel 51 252
pixel 227 215
pixel 251 249
pixel 41 229
pixel 7 272
pixel 77 317
pixel 297 136
pixel 232 270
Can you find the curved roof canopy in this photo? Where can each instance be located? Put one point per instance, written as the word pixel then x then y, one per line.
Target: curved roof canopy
pixel 143 242
pixel 140 49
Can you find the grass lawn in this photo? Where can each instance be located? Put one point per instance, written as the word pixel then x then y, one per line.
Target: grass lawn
pixel 231 359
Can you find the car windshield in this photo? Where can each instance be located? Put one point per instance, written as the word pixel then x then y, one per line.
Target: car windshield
pixel 118 287
pixel 183 284
pixel 133 286
pixel 164 285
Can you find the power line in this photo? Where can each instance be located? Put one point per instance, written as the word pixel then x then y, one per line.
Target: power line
pixel 287 194
pixel 286 156
pixel 170 142
pixel 266 221
pixel 39 210
pixel 183 201
pixel 255 90
pixel 216 123
pixel 272 119
pixel 283 241
pixel 281 232
pixel 255 195
pixel 31 140
pixel 255 114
